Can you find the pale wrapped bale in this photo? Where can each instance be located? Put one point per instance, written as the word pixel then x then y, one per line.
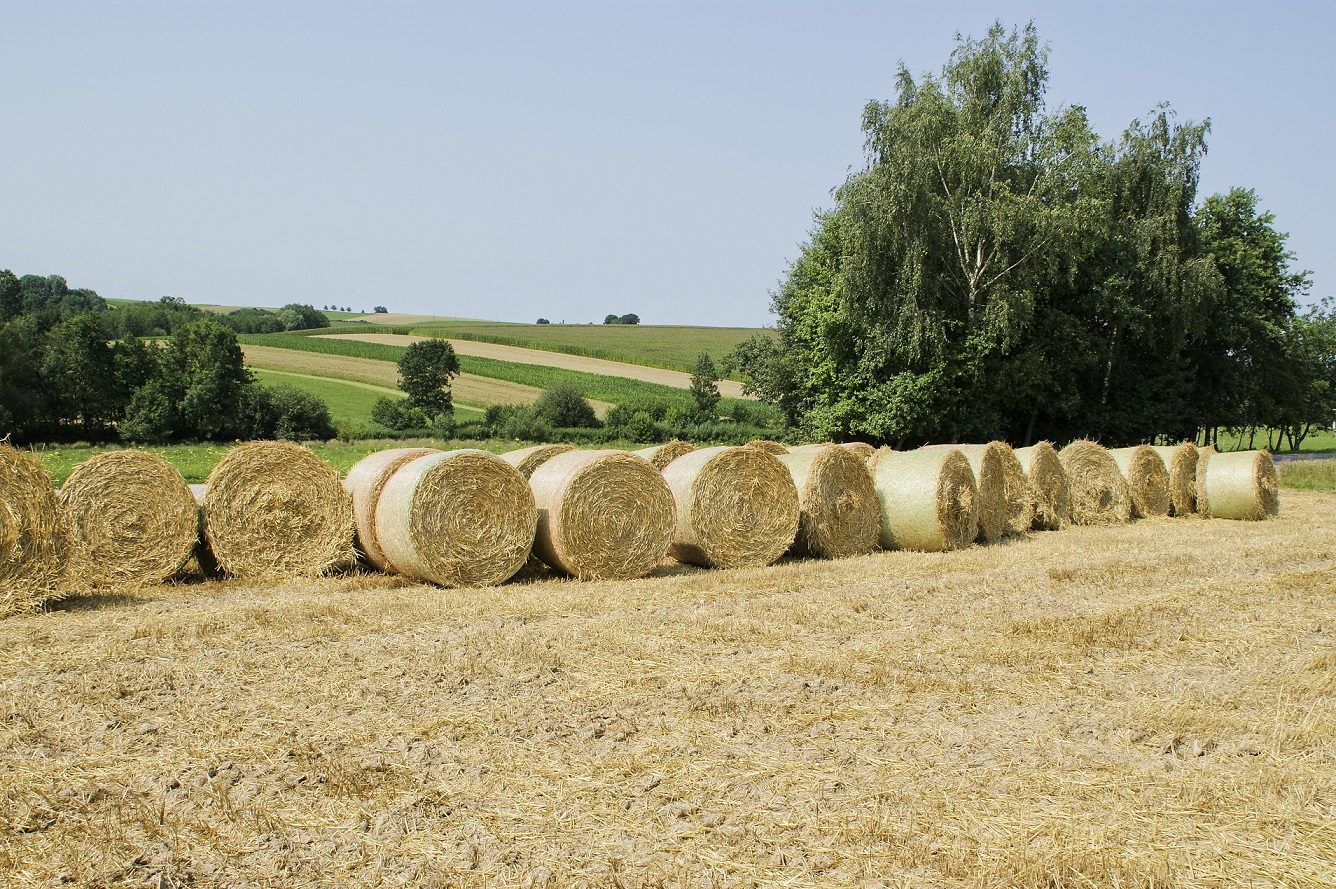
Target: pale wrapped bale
pixel 1049 490
pixel 1181 461
pixel 769 446
pixel 456 518
pixel 274 509
pixel 526 460
pixel 736 507
pixel 1099 491
pixel 660 456
pixel 927 499
pixel 838 503
pixel 364 483
pixel 130 518
pixel 605 515
pixel 32 541
pixel 1237 485
pixel 1147 480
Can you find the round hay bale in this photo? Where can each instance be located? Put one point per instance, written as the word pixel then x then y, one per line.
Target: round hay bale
pixel 364 483
pixel 1147 480
pixel 1181 461
pixel 1237 485
pixel 765 444
pixel 876 454
pixel 1099 491
pixel 32 542
pixel 661 455
pixel 274 509
pixel 526 460
pixel 129 518
pixel 838 503
pixel 736 507
pixel 1004 504
pixel 456 518
pixel 1050 493
pixel 927 498
pixel 605 515
pixel 862 449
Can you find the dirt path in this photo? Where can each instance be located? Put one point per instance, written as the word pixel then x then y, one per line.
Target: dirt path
pixel 467 388
pixel 675 378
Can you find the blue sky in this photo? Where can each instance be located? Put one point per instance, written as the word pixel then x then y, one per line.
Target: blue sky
pixel 513 160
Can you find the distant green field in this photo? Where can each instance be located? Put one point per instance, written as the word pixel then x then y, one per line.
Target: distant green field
pixel 600 388
pixel 1319 441
pixel 349 402
pixel 1308 475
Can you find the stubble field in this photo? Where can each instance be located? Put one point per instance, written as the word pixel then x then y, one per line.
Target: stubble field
pixel 1142 706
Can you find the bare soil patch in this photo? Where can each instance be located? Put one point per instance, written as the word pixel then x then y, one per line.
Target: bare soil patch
pixel 520 355
pixel 1145 705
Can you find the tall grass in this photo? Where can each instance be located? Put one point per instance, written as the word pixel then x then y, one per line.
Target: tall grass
pixel 1308 475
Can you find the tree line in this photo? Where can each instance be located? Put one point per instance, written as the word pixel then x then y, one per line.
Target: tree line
pixel 73 367
pixel 996 270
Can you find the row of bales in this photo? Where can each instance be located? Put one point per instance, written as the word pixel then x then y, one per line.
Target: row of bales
pixel 468 517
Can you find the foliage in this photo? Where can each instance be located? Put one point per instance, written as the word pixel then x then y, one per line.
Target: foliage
pixel 380 310
pixel 197 391
pixel 298 316
pixel 564 405
pixel 254 321
pixel 629 318
pixel 425 372
pixel 542 321
pixel 284 411
pixel 398 414
pixel 705 385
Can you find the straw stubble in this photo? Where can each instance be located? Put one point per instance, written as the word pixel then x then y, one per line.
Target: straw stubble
pixel 737 507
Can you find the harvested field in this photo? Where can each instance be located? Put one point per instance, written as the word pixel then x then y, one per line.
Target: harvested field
pixel 520 355
pixel 1151 704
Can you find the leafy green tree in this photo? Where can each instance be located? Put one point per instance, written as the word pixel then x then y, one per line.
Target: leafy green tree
pixel 198 389
pixel 629 318
pixel 22 404
pixel 11 296
pixel 565 405
pixel 79 373
pixel 705 385
pixel 299 316
pixel 611 319
pixel 284 411
pixel 397 414
pixel 425 372
pixel 1308 387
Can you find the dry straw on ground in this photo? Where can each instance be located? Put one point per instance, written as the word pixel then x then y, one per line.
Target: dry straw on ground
pixel 32 543
pixel 928 499
pixel 1049 491
pixel 130 518
pixel 602 514
pixel 1099 491
pixel 364 483
pixel 661 455
pixel 1181 462
pixel 839 504
pixel 1147 480
pixel 769 446
pixel 526 460
pixel 456 518
pixel 274 509
pixel 1237 485
pixel 736 507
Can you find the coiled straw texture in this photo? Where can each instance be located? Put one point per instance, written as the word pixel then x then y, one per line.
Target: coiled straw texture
pixel 927 498
pixel 1181 461
pixel 1237 485
pixel 1005 506
pixel 736 507
pixel 457 518
pixel 526 460
pixel 769 446
pixel 32 542
pixel 274 509
pixel 660 456
pixel 1147 480
pixel 838 503
pixel 1099 491
pixel 364 483
pixel 1049 491
pixel 130 518
pixel 606 515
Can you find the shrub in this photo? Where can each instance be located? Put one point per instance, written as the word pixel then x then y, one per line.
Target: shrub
pixel 565 405
pixel 397 414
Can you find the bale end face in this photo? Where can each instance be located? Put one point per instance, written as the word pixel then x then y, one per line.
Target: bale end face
pixel 838 502
pixel 32 539
pixel 1147 480
pixel 1099 492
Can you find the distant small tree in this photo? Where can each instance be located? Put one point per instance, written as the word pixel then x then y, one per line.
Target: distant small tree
pixel 425 373
pixel 705 385
pixel 565 405
pixel 298 316
pixel 629 318
pixel 543 321
pixel 611 319
pixel 380 310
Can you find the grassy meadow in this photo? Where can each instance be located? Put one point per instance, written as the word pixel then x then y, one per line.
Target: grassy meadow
pixel 1152 705
pixel 349 402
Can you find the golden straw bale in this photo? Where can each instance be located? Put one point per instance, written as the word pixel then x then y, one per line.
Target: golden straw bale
pixel 274 509
pixel 862 449
pixel 605 515
pixel 32 541
pixel 1004 504
pixel 129 517
pixel 769 446
pixel 456 518
pixel 873 457
pixel 1049 491
pixel 1099 491
pixel 927 499
pixel 838 503
pixel 736 507
pixel 661 455
pixel 526 460
pixel 1147 480
pixel 1203 454
pixel 1237 485
pixel 364 483
pixel 1181 461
